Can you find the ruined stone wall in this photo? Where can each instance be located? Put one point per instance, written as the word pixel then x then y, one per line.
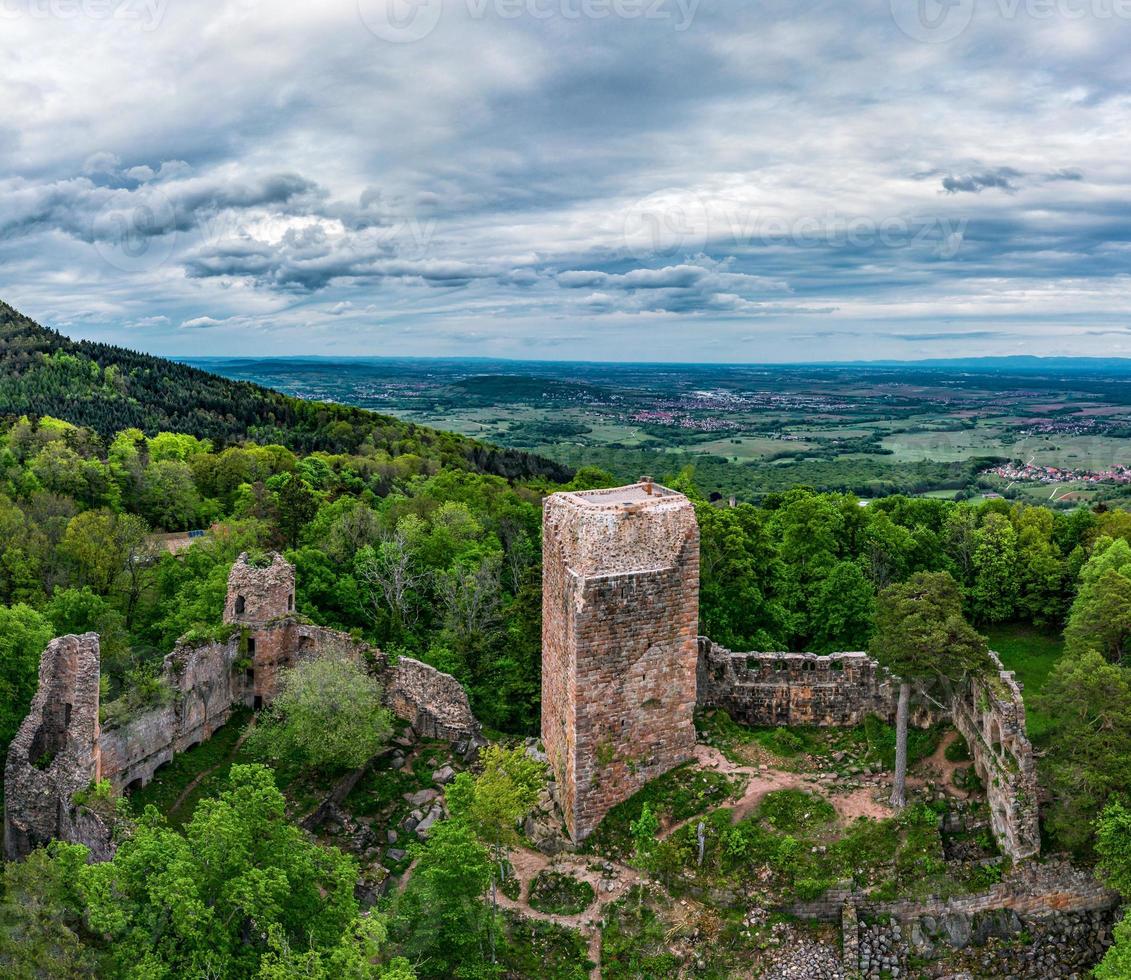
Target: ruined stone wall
pixel 771 689
pixel 990 714
pixel 60 749
pixel 434 703
pixel 55 754
pixel 204 688
pixel 283 643
pixel 1065 915
pixel 259 594
pixel 620 617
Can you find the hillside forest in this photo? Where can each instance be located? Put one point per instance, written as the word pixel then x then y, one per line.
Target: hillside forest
pixel 418 543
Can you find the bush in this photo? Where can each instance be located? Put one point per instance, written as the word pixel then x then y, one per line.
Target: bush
pixel 921 742
pixel 957 751
pixel 560 894
pixel 545 950
pixel 793 810
pixel 677 795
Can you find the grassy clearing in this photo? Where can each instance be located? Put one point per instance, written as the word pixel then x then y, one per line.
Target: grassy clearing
pixel 800 749
pixel 171 780
pixel 560 894
pixel 793 811
pixel 1031 654
pixel 674 796
pixel 542 949
pixel 803 854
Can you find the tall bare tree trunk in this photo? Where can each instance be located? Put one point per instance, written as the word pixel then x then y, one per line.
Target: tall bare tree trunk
pixel 901 713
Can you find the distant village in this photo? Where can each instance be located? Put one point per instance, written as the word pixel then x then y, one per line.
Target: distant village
pixel 1035 473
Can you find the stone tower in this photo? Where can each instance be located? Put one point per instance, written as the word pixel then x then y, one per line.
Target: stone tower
pixel 261 597
pixel 55 754
pixel 258 593
pixel 620 616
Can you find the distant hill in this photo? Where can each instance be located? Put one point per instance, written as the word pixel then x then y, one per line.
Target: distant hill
pixel 109 388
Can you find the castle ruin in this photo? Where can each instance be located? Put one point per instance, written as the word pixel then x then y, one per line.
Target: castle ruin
pixel 623 668
pixel 61 749
pixel 623 671
pixel 620 614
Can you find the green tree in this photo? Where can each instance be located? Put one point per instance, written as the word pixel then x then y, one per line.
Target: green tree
pixel 327 715
pixel 41 916
pixel 1113 845
pixel 23 635
pixel 356 957
pixel 84 611
pixel 993 595
pixel 295 507
pixel 204 903
pixel 494 801
pixel 98 543
pixel 1100 618
pixel 1089 702
pixel 168 495
pixel 921 636
pixel 740 577
pixel 841 612
pixel 1116 964
pixel 644 829
pixel 441 921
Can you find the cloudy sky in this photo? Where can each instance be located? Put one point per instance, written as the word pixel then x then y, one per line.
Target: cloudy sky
pixel 570 179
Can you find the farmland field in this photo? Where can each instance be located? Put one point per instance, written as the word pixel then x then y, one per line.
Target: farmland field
pixel 943 430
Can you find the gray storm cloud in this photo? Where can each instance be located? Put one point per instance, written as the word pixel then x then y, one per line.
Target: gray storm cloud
pixel 291 181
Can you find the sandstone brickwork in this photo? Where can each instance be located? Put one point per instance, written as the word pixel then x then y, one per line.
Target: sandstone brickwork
pixel 204 684
pixel 620 609
pixel 774 689
pixel 771 689
pixel 55 753
pixel 990 714
pixel 434 703
pixel 259 593
pixel 60 749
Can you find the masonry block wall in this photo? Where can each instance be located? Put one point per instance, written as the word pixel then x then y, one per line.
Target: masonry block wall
pixel 774 689
pixel 55 752
pixel 260 592
pixel 620 609
pixel 60 748
pixel 990 715
pixel 771 689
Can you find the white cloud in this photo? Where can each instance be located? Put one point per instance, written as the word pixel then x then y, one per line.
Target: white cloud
pixel 279 171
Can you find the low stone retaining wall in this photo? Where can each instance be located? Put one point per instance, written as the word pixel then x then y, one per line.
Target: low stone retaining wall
pixel 772 689
pixel 1050 920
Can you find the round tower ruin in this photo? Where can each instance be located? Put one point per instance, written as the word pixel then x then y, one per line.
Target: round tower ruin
pixel 259 592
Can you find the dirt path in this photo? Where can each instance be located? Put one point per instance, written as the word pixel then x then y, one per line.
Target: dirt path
pixel 527 865
pixel 849 805
pixel 200 776
pixel 943 768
